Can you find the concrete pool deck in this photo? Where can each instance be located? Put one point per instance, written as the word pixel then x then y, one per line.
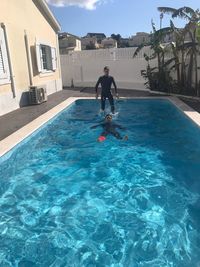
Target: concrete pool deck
pixel 17 125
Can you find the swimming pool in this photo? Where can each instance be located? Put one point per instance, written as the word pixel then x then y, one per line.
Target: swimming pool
pixel 67 200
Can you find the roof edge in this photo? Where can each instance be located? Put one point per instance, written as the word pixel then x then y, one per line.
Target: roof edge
pixel 44 6
pixel 67 33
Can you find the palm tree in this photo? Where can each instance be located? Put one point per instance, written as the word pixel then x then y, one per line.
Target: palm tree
pixel 184 59
pixel 178 50
pixel 191 48
pixel 158 52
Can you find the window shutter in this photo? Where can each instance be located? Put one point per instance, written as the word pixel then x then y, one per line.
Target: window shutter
pixel 38 57
pixel 48 57
pixel 54 58
pixel 4 66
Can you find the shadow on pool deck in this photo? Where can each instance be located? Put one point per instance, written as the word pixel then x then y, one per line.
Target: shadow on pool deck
pixel 14 120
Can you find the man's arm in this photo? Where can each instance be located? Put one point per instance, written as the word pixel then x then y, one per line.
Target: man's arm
pixel 115 86
pixel 97 85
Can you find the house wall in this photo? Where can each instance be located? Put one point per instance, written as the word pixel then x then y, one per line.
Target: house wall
pixel 109 43
pixel 85 41
pixel 86 66
pixel 139 38
pixel 78 45
pixel 18 17
pixel 67 42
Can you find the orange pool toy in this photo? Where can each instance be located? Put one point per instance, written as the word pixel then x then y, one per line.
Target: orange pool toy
pixel 101 138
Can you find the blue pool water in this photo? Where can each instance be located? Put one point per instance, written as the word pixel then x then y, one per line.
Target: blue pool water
pixel 69 201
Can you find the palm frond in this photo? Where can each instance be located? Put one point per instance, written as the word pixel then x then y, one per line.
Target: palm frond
pixel 146 57
pixel 153 26
pixel 139 48
pixel 143 71
pixel 189 10
pixel 173 44
pixel 167 10
pixel 164 31
pixel 190 44
pixel 155 68
pixel 187 28
pixel 169 47
pixel 153 56
pixel 189 52
pixel 168 62
pixel 184 13
pixel 172 25
pixel 172 67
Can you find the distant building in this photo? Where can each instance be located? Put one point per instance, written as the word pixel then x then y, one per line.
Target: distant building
pixel 98 36
pixel 88 43
pixel 68 42
pixel 125 42
pixel 139 39
pixel 109 43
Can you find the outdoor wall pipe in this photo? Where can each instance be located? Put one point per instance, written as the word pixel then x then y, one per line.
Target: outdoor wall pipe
pixel 28 58
pixel 13 87
pixel 58 59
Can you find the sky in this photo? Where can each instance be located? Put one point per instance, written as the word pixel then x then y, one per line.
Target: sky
pixel 125 17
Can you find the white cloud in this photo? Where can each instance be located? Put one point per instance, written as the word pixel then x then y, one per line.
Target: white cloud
pixel 87 4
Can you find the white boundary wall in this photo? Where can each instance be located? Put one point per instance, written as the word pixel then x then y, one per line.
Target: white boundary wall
pixel 84 67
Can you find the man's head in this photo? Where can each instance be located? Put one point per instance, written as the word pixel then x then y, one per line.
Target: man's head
pixel 106 71
pixel 108 118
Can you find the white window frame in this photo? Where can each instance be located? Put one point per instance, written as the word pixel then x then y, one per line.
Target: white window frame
pixel 41 70
pixel 4 77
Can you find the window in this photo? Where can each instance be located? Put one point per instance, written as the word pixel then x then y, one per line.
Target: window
pixel 46 58
pixel 4 66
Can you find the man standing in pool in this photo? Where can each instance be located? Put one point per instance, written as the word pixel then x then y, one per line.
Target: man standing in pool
pixel 106 82
pixel 109 127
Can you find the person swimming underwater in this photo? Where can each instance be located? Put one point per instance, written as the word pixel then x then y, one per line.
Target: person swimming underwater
pixel 109 128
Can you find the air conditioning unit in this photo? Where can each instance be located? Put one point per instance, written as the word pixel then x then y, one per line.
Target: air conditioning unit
pixel 37 95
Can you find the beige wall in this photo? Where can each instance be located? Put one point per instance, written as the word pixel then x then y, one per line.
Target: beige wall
pixel 19 16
